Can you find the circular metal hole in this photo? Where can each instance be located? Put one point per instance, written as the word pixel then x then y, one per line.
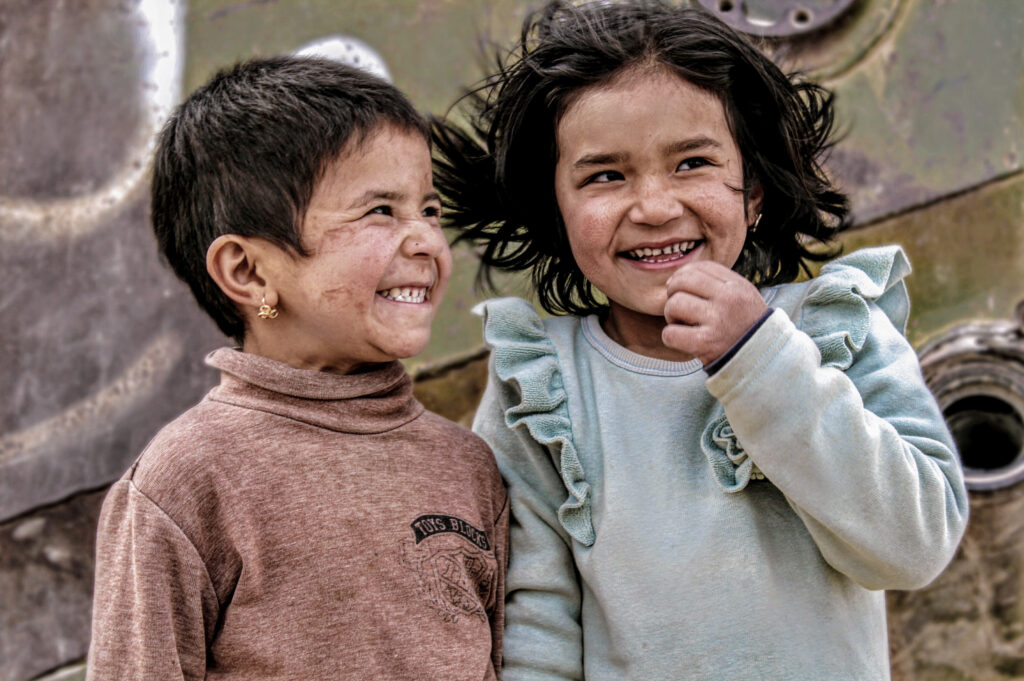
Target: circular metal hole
pixel 802 17
pixel 988 431
pixel 725 5
pixel 976 373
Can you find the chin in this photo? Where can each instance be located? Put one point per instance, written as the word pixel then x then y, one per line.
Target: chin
pixel 408 349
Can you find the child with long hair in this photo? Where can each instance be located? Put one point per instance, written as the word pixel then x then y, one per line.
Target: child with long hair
pixel 714 471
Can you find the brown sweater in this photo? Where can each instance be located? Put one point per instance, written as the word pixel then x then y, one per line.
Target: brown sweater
pixel 303 525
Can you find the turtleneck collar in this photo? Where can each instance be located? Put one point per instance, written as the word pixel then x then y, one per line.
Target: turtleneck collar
pixel 375 401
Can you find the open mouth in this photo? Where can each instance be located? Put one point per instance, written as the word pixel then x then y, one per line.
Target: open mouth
pixel 406 294
pixel 664 254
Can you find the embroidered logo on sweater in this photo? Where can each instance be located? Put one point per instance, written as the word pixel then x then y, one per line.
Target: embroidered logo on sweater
pixel 456 578
pixel 429 525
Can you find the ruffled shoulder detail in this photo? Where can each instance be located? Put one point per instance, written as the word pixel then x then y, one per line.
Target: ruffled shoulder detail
pixel 836 312
pixel 525 359
pixel 732 468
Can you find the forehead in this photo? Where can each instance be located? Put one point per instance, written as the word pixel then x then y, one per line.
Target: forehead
pixel 386 157
pixel 652 95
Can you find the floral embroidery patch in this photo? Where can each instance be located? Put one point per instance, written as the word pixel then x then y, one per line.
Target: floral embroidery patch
pixel 454 569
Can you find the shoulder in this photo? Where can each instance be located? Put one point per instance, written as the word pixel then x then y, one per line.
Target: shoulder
pixel 189 462
pixel 523 345
pixel 855 297
pixel 454 445
pixel 515 321
pixel 458 458
pixel 528 356
pixel 437 431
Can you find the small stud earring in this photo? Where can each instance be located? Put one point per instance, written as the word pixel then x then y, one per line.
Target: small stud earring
pixel 265 311
pixel 757 221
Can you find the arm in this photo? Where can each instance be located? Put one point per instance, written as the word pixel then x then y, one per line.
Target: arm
pixel 154 607
pixel 863 456
pixel 543 639
pixel 497 614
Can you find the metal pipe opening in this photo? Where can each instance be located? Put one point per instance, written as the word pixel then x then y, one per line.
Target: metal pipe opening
pixel 976 373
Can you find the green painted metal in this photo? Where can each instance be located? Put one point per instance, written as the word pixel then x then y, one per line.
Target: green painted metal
pixel 967 252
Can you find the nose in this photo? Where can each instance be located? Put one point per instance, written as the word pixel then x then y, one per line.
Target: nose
pixel 653 203
pixel 424 240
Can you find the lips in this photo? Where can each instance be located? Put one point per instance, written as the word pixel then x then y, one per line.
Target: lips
pixel 666 253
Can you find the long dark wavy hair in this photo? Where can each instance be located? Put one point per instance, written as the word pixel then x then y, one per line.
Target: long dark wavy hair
pixel 497 174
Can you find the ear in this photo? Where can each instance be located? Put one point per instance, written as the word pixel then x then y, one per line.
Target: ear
pixel 236 264
pixel 755 199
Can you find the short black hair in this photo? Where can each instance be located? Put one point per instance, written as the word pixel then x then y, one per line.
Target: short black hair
pixel 243 153
pixel 497 177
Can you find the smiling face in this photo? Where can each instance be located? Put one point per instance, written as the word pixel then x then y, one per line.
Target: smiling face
pixel 646 182
pixel 377 262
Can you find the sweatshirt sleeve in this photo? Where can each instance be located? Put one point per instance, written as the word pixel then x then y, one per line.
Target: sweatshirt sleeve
pixel 543 638
pixel 523 416
pixel 859 448
pixel 154 607
pixel 501 555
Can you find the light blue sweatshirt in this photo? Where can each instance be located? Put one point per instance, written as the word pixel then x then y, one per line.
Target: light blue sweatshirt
pixel 667 525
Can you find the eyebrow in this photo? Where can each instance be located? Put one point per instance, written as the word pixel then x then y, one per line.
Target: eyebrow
pixel 599 159
pixel 692 144
pixel 384 195
pixel 379 195
pixel 679 147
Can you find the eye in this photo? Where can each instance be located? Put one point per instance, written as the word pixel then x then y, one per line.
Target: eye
pixel 380 210
pixel 603 177
pixel 432 212
pixel 693 163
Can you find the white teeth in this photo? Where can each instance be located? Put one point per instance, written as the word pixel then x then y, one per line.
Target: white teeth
pixel 406 294
pixel 680 247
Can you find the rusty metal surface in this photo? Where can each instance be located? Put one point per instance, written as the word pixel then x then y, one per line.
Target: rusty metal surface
pixel 969 624
pixel 936 107
pixel 99 339
pixel 967 252
pixel 46 575
pixel 779 18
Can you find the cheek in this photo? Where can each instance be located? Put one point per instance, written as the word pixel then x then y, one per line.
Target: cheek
pixel 588 224
pixel 444 272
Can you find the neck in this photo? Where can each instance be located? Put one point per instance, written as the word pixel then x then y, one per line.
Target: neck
pixel 640 333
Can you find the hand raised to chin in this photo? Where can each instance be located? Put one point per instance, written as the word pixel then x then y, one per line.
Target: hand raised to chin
pixel 709 308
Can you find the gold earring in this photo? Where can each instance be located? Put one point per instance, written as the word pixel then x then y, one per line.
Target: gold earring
pixel 757 221
pixel 265 311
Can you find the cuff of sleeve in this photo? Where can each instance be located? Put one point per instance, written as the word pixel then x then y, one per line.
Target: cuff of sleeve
pixel 752 357
pixel 712 368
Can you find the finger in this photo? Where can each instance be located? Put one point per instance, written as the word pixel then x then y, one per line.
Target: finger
pixel 686 339
pixel 705 270
pixel 683 307
pixel 697 281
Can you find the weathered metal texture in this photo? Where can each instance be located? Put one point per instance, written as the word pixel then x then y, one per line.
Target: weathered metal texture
pixel 967 252
pixel 969 624
pixel 101 345
pixel 934 108
pixel 99 339
pixel 46 575
pixel 780 18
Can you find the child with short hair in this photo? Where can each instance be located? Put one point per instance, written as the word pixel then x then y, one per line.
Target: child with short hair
pixel 714 471
pixel 308 519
